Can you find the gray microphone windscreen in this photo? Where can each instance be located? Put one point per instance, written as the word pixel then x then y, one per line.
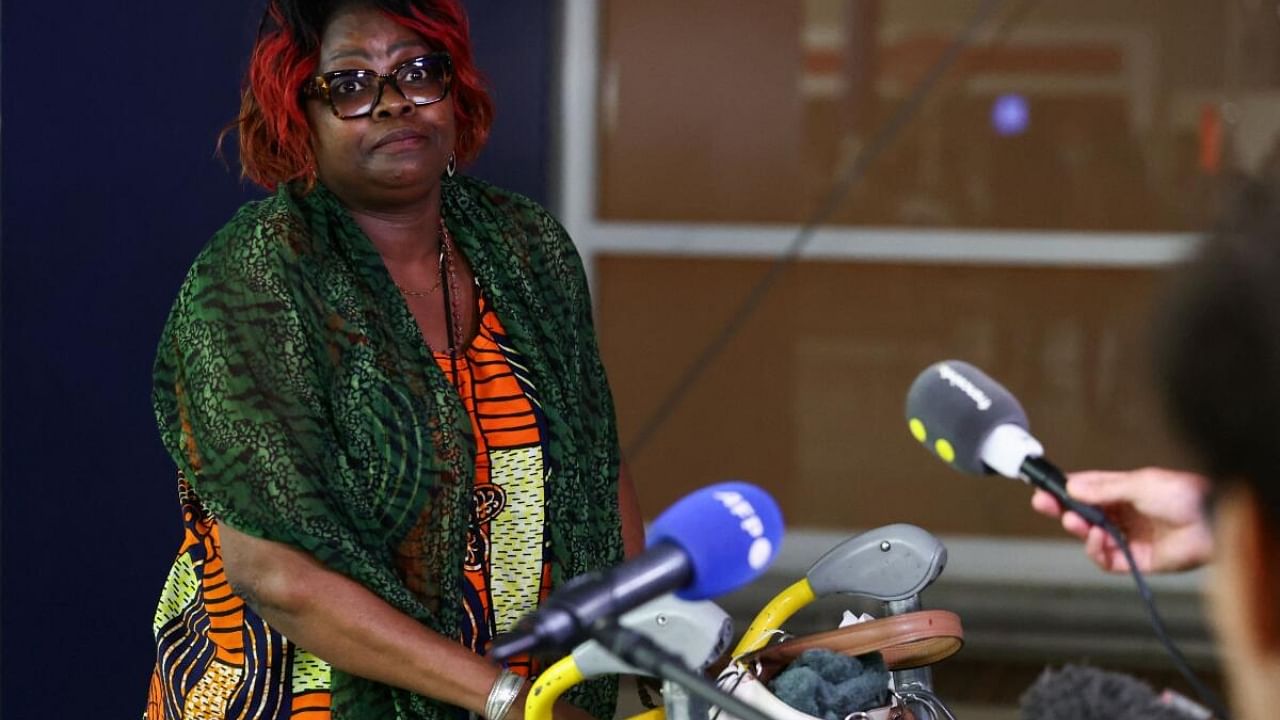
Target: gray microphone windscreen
pixel 1086 693
pixel 953 406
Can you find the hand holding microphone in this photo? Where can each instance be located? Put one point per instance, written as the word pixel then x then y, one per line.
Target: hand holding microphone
pixel 1160 511
pixel 971 422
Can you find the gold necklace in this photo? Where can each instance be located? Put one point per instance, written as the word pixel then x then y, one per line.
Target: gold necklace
pixel 419 293
pixel 431 290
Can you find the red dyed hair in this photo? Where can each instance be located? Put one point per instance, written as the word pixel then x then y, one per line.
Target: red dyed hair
pixel 275 138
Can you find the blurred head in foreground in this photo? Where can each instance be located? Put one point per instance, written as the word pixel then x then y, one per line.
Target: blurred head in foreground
pixel 1219 364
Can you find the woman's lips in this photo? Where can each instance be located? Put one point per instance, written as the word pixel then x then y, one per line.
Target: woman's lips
pixel 400 139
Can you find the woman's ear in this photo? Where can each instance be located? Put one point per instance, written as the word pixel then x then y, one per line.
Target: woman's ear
pixel 1251 546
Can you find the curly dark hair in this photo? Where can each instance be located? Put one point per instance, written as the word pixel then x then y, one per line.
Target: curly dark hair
pixel 275 142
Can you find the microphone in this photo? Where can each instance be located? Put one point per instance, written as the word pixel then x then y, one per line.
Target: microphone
pixel 970 421
pixel 708 543
pixel 1086 693
pixel 974 424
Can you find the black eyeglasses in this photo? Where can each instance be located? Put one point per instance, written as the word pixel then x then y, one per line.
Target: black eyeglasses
pixel 355 93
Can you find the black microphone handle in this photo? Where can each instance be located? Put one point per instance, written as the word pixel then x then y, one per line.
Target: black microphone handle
pixel 563 620
pixel 646 655
pixel 1046 476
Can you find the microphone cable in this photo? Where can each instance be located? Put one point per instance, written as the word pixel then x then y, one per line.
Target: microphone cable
pixel 880 141
pixel 1207 696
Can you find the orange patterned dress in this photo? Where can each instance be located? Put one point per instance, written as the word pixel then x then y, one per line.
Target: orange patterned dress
pixel 227 663
pixel 506 578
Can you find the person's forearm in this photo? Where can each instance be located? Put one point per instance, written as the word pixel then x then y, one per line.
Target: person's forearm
pixel 629 513
pixel 349 627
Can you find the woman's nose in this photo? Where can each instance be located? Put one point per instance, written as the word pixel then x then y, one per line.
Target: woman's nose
pixel 392 104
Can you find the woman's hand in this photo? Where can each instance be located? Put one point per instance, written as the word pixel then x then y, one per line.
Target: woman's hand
pixel 1160 511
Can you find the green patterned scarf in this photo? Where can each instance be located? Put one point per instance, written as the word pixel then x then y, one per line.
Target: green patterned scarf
pixel 293 388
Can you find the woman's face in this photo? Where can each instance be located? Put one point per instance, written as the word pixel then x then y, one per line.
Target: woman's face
pixel 395 155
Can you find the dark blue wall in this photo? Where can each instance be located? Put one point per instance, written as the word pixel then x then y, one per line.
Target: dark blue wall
pixel 110 187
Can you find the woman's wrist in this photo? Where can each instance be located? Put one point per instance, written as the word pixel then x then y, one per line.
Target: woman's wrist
pixel 503 695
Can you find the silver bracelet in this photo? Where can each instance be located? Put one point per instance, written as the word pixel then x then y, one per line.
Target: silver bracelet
pixel 503 695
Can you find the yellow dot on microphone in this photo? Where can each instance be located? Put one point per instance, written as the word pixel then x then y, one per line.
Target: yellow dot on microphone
pixel 917 430
pixel 944 450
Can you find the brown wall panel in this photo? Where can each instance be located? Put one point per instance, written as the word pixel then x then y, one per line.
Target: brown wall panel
pixel 748 111
pixel 807 399
pixel 695 89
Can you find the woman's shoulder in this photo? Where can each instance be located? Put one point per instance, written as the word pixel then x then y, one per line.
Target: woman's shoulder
pixel 520 219
pixel 259 240
pixel 251 262
pixel 259 229
pixel 495 198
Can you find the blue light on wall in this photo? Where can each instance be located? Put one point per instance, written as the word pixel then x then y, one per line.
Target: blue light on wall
pixel 1010 114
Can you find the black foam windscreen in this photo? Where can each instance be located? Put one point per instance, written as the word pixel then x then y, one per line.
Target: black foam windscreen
pixel 953 406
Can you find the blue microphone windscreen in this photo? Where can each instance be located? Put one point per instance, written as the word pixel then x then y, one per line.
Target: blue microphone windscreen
pixel 953 406
pixel 730 531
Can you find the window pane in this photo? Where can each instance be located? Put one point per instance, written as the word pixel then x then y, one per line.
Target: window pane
pixel 1080 115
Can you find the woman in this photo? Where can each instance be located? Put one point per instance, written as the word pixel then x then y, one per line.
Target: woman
pixel 382 390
